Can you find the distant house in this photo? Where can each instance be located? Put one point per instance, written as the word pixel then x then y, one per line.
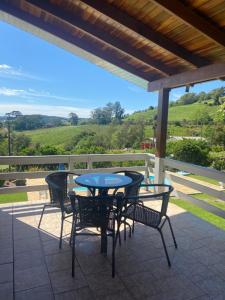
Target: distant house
pixel 147 144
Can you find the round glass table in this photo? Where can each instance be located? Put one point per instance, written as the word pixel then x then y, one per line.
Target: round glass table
pixel 103 181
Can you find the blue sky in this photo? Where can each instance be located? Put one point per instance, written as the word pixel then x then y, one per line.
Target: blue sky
pixel 38 77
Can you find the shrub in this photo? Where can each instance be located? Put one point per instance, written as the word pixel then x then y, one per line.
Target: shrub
pixel 190 151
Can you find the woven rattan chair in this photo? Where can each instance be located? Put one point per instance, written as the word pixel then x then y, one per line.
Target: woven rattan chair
pixel 138 212
pixel 58 190
pixel 97 212
pixel 131 192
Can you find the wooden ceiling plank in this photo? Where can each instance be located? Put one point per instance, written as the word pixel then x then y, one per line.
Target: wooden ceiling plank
pixel 103 36
pixel 78 42
pixel 145 31
pixel 207 73
pixel 193 19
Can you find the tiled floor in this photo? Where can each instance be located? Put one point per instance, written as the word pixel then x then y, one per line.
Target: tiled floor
pixel 33 267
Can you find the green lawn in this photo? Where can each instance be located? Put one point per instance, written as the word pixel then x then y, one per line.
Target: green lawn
pixel 200 213
pixel 11 198
pixel 205 179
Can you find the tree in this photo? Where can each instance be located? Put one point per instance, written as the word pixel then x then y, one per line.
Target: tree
pixel 118 112
pixel 9 118
pixel 188 98
pixel 111 112
pixel 190 151
pixel 220 114
pixel 73 118
pixel 216 94
pixel 21 142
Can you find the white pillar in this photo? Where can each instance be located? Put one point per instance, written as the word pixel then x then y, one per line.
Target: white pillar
pixel 159 170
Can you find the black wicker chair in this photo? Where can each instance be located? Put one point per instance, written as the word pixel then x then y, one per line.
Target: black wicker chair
pixel 131 192
pixel 138 212
pixel 97 212
pixel 58 190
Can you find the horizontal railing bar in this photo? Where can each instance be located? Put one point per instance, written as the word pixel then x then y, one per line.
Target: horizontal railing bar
pixel 53 159
pixel 191 168
pixel 41 174
pixel 197 186
pixel 200 203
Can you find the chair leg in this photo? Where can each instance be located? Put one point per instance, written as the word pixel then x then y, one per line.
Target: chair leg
pixel 171 229
pixel 73 250
pixel 113 253
pixel 71 233
pixel 124 231
pixel 164 246
pixel 42 213
pixel 61 232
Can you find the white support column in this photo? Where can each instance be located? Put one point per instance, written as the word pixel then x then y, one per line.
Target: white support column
pixel 159 170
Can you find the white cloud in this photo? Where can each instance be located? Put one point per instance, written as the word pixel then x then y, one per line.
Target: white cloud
pixel 7 71
pixel 51 110
pixel 32 94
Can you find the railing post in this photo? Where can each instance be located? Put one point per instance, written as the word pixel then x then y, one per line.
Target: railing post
pixel 70 167
pixel 147 174
pixel 159 173
pixel 89 167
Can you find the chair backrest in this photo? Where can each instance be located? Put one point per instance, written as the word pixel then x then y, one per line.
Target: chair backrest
pixel 132 190
pixel 161 191
pixel 94 211
pixel 58 188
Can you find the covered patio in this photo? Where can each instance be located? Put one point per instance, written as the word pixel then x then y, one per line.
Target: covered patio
pixel 33 267
pixel 158 45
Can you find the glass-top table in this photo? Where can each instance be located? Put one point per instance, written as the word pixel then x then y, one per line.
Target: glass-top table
pixel 103 180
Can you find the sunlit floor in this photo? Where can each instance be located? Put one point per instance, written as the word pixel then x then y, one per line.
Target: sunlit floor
pixel 33 267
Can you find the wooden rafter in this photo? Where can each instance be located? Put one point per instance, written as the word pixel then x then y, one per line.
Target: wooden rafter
pixel 194 19
pixel 117 43
pixel 78 42
pixel 145 31
pixel 211 72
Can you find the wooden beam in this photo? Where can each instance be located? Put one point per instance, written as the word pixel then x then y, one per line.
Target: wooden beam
pixel 194 19
pixel 145 31
pixel 207 73
pixel 78 42
pixel 162 118
pixel 76 21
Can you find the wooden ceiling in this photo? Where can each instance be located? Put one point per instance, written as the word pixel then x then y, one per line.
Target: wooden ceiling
pixel 141 40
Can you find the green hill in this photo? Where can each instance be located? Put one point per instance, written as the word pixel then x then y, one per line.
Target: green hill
pixel 176 113
pixel 55 136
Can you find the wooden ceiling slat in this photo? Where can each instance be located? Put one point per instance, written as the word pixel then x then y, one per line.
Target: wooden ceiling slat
pixel 145 31
pixel 79 42
pixel 76 21
pixel 194 19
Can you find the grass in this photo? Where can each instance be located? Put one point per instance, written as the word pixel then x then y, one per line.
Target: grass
pixel 205 179
pixel 11 198
pixel 177 113
pixel 54 136
pixel 200 213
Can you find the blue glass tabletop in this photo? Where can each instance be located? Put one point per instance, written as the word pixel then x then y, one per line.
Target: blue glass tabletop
pixel 103 180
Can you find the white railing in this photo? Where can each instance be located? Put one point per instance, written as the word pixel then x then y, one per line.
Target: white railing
pixel 90 159
pixel 198 185
pixel 70 161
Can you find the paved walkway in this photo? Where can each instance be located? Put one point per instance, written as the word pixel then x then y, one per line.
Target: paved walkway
pixel 33 267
